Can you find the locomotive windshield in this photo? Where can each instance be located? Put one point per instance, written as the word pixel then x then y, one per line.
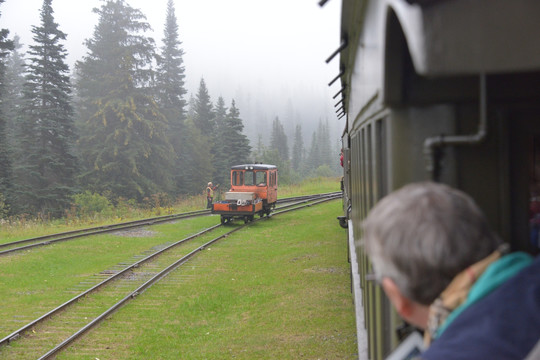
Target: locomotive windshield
pixel 249 178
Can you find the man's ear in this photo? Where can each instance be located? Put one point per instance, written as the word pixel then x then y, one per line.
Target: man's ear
pixel 403 305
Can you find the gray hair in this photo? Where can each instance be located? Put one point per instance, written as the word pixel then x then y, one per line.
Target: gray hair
pixel 423 235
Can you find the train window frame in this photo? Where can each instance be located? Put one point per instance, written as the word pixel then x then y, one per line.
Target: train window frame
pixel 238 178
pixel 261 178
pixel 249 175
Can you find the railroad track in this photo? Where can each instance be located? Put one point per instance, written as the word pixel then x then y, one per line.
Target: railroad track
pixel 44 240
pixel 75 234
pixel 51 332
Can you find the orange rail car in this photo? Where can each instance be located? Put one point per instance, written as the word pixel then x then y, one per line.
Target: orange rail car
pixel 253 192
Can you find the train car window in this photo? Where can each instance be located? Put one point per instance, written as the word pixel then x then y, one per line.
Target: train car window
pixel 260 178
pixel 249 178
pixel 237 178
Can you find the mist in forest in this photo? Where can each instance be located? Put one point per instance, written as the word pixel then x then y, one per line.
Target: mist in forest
pixel 269 56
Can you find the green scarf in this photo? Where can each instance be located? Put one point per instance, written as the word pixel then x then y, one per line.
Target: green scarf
pixel 472 285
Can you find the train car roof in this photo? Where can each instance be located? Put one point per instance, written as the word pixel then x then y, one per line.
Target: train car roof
pixel 254 167
pixel 446 37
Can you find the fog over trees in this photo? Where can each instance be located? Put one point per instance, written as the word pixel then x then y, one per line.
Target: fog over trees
pixel 122 124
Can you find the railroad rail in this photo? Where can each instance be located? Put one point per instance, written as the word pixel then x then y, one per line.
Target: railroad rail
pixel 26 244
pixel 138 276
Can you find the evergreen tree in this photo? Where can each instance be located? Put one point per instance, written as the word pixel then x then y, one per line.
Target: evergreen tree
pixel 323 142
pixel 279 140
pixel 124 138
pixel 12 100
pixel 238 148
pixel 191 107
pixel 259 150
pixel 313 158
pixel 171 90
pixel 13 94
pixel 298 150
pixel 47 167
pixel 203 114
pixel 219 149
pixel 235 148
pixel 199 160
pixel 5 152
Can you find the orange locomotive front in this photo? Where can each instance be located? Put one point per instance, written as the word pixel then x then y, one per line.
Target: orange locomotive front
pixel 253 191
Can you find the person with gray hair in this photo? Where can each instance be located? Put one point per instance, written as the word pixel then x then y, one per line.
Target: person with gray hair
pixel 448 273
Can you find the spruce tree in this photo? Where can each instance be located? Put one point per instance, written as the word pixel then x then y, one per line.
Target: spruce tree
pixel 313 158
pixel 199 160
pixel 297 158
pixel 323 142
pixel 237 143
pixel 234 148
pixel 5 151
pixel 279 140
pixel 13 95
pixel 219 149
pixel 203 113
pixel 124 140
pixel 12 101
pixel 171 90
pixel 47 168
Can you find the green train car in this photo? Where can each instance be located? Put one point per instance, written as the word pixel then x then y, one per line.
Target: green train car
pixel 443 90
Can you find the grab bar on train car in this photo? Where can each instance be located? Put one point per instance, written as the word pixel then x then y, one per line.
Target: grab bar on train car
pixel 432 144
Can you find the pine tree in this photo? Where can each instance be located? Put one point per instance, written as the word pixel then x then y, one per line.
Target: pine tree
pixel 5 151
pixel 279 140
pixel 47 166
pixel 323 142
pixel 12 100
pixel 13 94
pixel 313 158
pixel 298 150
pixel 204 115
pixel 238 148
pixel 259 150
pixel 235 148
pixel 199 160
pixel 124 138
pixel 171 90
pixel 219 149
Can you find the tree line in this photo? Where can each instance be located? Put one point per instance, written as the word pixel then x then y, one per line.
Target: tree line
pixel 120 124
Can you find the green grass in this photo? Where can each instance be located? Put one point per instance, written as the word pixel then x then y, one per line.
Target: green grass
pixel 277 290
pixel 310 186
pixel 42 278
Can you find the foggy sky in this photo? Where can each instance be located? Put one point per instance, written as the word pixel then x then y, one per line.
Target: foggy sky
pixel 266 54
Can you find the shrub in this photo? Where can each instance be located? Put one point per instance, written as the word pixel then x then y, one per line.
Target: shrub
pixel 90 204
pixel 4 207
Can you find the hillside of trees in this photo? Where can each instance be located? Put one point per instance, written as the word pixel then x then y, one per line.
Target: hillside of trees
pixel 122 124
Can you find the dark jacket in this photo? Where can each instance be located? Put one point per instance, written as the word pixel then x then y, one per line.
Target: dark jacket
pixel 503 325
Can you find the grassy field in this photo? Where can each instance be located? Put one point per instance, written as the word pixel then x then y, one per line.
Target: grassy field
pixel 276 290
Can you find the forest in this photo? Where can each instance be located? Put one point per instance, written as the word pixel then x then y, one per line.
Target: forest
pixel 121 123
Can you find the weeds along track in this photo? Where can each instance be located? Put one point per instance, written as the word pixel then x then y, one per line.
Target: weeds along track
pixel 25 244
pixel 49 333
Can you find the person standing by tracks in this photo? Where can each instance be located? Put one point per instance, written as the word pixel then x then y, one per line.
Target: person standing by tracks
pixel 445 271
pixel 210 194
